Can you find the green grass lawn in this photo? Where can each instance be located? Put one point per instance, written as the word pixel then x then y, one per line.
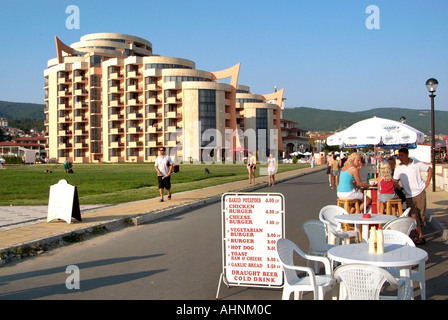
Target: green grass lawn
pixel 112 183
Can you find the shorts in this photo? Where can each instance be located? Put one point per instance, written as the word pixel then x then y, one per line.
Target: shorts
pixel 418 211
pixel 271 171
pixel 335 173
pixel 251 166
pixel 328 170
pixel 383 197
pixel 354 194
pixel 164 183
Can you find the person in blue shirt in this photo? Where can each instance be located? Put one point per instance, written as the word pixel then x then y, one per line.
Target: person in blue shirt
pixel 349 180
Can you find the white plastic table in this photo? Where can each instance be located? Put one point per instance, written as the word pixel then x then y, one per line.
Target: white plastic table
pixel 357 219
pixel 394 256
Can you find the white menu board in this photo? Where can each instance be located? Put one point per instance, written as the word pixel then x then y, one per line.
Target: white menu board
pixel 252 223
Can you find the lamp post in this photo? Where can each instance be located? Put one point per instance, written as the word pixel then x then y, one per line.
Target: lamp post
pixel 432 84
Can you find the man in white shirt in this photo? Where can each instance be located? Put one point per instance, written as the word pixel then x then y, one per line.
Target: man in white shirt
pixel 409 173
pixel 164 167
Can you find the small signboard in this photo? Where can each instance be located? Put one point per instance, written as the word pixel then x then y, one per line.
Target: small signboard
pixel 63 202
pixel 251 225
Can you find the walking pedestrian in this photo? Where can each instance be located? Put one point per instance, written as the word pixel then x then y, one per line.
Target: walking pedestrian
pixel 329 161
pixel 409 173
pixel 251 166
pixel 272 166
pixel 164 167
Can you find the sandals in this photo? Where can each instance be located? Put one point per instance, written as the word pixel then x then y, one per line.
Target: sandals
pixel 419 241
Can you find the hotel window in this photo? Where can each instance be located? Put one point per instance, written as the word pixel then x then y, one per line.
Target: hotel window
pixel 207 111
pixel 95 61
pixel 262 124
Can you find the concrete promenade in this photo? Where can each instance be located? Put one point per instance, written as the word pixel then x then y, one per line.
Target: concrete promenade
pixel 33 234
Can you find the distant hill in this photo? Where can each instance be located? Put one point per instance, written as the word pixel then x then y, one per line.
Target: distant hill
pixel 20 110
pixel 329 120
pixel 307 118
pixel 24 116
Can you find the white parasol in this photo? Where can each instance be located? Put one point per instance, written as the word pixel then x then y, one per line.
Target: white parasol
pixel 377 132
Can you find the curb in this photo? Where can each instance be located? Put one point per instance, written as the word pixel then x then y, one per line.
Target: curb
pixel 39 246
pixel 438 224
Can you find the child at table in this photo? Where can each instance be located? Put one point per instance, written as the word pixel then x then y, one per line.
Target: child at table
pixel 385 183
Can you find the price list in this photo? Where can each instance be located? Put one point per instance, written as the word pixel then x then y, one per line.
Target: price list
pixel 252 223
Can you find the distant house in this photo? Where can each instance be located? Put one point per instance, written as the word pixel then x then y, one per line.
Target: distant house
pixel 3 122
pixel 36 143
pixel 294 139
pixel 320 141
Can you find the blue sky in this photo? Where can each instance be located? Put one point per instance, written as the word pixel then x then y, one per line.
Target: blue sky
pixel 320 51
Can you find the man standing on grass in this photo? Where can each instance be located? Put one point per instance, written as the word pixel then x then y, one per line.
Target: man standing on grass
pixel 409 173
pixel 164 167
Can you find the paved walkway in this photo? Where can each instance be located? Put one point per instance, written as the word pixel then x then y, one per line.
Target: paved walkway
pixel 29 227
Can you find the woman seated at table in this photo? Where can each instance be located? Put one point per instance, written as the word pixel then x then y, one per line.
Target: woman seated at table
pixel 349 179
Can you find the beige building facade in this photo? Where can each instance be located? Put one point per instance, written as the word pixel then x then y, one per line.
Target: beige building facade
pixel 110 99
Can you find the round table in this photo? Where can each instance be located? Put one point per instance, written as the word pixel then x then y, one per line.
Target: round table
pixel 394 256
pixel 357 219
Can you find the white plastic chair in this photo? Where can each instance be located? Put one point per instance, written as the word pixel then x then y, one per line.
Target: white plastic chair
pixel 326 215
pixel 405 225
pixel 364 282
pixel 317 236
pixel 398 237
pixel 319 284
pixel 405 213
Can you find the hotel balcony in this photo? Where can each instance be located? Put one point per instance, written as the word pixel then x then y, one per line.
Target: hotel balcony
pixel 81 145
pixel 81 105
pixel 116 144
pixel 134 116
pixel 134 74
pixel 153 87
pixel 153 101
pixel 153 144
pixel 116 117
pixel 173 100
pixel 81 118
pixel 171 129
pixel 135 144
pixel 64 106
pixel 115 103
pixel 173 114
pixel 133 102
pixel 116 131
pixel 64 119
pixel 63 133
pixel 81 92
pixel 115 75
pixel 116 89
pixel 80 79
pixel 133 88
pixel 64 80
pixel 64 145
pixel 154 130
pixel 154 115
pixel 64 93
pixel 172 85
pixel 135 130
pixel 171 143
pixel 81 132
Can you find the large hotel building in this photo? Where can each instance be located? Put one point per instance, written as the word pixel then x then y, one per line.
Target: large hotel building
pixel 110 99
